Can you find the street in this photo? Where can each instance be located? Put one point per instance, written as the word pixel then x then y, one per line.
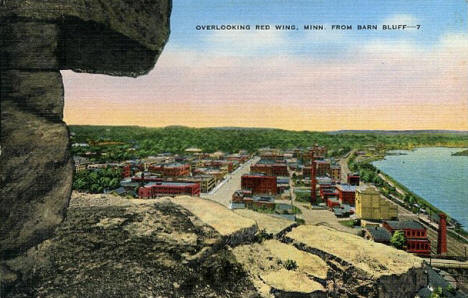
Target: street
pixel 222 193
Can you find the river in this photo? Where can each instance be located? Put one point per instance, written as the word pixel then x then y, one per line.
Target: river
pixel 435 175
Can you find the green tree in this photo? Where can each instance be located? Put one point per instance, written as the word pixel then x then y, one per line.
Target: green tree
pixel 398 239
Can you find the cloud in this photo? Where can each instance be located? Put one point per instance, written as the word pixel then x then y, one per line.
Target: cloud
pixel 244 43
pixel 401 19
pixel 381 84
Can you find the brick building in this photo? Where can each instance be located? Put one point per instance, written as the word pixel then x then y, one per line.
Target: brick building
pixel 353 179
pixel 327 191
pixel 274 169
pixel 171 170
pixel 323 168
pixel 346 193
pixel 259 184
pixel 159 189
pixel 415 235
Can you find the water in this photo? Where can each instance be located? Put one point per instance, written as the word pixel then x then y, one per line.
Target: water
pixel 435 175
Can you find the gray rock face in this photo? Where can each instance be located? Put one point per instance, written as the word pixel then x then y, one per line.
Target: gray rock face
pixel 37 39
pixel 117 37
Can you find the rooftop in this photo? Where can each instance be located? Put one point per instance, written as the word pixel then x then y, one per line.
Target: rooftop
pixel 379 233
pixel 346 187
pixel 169 184
pixel 407 224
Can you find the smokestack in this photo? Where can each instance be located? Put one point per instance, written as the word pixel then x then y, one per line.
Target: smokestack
pixel 442 236
pixel 313 181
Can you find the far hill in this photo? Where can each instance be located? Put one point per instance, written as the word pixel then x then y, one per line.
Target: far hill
pixel 150 141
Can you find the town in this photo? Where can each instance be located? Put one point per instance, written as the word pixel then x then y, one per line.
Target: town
pixel 304 185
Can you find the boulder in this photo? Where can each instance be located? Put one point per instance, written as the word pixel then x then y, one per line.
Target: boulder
pixel 38 39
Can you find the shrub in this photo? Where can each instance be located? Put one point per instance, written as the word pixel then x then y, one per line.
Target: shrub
pixel 290 264
pixel 398 239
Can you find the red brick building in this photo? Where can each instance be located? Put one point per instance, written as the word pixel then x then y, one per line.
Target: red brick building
pixel 353 179
pixel 159 189
pixel 415 235
pixel 327 191
pixel 323 168
pixel 171 170
pixel 126 171
pixel 275 169
pixel 346 193
pixel 259 184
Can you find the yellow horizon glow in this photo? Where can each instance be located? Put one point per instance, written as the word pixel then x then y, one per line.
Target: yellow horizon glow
pixel 397 117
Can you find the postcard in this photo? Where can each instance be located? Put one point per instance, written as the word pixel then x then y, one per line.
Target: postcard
pixel 234 148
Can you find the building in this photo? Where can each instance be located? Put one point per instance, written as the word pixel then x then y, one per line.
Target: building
pixel 81 163
pixel 273 169
pixel 353 179
pixel 267 202
pixel 126 171
pixel 160 189
pixel 335 172
pixel 323 168
pixel 327 191
pixel 282 183
pixel 333 202
pixel 207 182
pixel 377 234
pixel 259 184
pixel 370 205
pixel 171 170
pixel 145 177
pixel 415 235
pixel 245 197
pixel 346 194
pixel 343 210
pixel 220 164
pixel 272 156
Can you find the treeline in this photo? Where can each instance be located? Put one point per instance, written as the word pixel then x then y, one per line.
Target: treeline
pixel 143 141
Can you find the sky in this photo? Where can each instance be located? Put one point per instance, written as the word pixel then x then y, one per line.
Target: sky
pixel 300 79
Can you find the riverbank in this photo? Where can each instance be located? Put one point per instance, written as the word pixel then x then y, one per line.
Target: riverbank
pixel 399 193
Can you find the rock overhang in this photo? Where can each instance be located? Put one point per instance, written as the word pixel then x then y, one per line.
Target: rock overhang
pixel 115 37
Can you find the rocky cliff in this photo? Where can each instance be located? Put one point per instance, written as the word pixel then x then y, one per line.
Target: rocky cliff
pixel 113 247
pixel 38 39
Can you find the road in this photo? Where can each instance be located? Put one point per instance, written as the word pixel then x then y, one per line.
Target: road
pixel 222 193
